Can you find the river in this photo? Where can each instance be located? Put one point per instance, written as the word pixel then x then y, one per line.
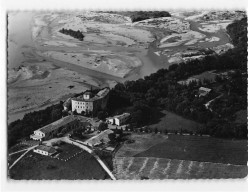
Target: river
pixel 21 46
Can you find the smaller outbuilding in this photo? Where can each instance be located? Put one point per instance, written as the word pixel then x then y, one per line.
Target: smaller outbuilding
pixel 203 91
pixel 119 119
pixel 45 150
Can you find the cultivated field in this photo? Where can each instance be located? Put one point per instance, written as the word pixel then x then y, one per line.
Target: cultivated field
pixel 181 157
pixel 196 148
pixel 141 143
pixel 162 168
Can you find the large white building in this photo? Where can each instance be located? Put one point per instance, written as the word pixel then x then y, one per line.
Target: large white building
pixel 88 102
pixel 119 119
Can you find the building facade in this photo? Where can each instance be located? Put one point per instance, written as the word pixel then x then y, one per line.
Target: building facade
pixel 63 125
pixel 90 103
pixel 119 119
pixel 45 150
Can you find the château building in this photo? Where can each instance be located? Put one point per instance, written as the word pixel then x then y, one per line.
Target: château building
pixel 90 103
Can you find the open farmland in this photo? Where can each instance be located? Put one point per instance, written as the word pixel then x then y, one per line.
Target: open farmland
pixel 130 168
pixel 184 157
pixel 37 167
pixel 205 149
pixel 141 143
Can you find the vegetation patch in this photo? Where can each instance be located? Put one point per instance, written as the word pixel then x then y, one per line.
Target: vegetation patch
pixel 75 34
pixel 174 122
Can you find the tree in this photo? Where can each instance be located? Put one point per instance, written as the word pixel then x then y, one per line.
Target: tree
pixel 56 114
pixel 112 137
pixel 101 115
pixel 102 126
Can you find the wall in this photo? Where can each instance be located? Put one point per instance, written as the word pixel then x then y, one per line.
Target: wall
pixel 80 106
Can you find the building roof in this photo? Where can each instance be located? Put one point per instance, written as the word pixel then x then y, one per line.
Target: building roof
pixel 57 124
pixel 99 137
pixel 67 102
pixel 101 94
pixel 204 89
pixel 46 149
pixel 124 115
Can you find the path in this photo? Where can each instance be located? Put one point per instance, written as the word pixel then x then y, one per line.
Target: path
pixel 22 156
pixel 74 142
pixel 18 151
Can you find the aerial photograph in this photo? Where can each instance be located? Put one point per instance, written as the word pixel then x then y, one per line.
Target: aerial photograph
pixel 126 95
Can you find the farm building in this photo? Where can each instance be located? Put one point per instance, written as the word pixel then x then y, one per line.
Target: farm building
pixel 88 102
pixel 44 150
pixel 99 138
pixel 62 125
pixel 203 91
pixel 119 119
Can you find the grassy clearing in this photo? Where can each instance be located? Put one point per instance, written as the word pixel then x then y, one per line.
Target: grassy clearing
pixel 161 168
pixel 175 122
pixel 141 143
pixel 205 149
pixel 36 167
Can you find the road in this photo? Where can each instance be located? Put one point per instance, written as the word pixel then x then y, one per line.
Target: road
pixel 18 151
pixel 76 143
pixel 22 155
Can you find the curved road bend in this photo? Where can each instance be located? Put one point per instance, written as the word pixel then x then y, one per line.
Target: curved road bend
pixel 70 141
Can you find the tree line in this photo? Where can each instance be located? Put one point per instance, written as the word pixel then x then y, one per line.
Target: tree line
pixel 75 34
pixel 32 121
